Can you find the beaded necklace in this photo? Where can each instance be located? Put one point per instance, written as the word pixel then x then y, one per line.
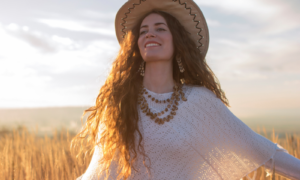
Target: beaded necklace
pixel 172 104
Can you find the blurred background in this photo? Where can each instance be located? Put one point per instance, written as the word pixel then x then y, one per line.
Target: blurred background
pixel 55 55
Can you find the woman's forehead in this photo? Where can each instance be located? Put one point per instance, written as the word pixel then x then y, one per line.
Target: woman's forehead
pixel 153 19
pixel 155 24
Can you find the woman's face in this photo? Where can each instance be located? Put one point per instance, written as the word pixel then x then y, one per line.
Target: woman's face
pixel 155 41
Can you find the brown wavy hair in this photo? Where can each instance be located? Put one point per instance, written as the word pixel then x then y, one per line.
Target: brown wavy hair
pixel 116 109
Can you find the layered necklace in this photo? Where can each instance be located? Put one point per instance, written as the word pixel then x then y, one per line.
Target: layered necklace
pixel 171 102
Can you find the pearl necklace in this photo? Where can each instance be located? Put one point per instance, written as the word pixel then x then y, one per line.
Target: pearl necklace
pixel 172 103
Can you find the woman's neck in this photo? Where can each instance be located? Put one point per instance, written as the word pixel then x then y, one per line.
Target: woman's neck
pixel 159 76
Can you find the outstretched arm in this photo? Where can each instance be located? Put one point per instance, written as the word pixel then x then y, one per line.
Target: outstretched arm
pixel 285 164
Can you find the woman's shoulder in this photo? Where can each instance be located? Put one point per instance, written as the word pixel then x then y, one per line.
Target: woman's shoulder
pixel 205 98
pixel 198 91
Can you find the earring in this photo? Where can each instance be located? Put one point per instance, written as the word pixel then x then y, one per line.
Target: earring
pixel 182 81
pixel 142 69
pixel 178 58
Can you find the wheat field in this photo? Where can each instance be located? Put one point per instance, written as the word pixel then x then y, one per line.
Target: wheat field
pixel 26 156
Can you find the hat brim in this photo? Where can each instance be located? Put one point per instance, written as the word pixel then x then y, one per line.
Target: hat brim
pixel 187 13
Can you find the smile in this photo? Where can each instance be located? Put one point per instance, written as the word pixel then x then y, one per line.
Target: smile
pixel 152 45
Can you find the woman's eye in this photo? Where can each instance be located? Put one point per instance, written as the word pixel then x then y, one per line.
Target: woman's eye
pixel 160 29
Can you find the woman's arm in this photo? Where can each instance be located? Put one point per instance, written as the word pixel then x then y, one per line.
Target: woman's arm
pixel 285 164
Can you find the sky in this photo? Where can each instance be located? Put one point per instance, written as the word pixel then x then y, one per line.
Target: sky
pixel 59 53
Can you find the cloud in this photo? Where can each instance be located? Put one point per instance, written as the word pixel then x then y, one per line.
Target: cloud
pixel 53 79
pixel 255 38
pixel 267 55
pixel 276 16
pixel 78 26
pixel 35 39
pixel 255 7
pixel 101 16
pixel 76 69
pixel 13 47
pixel 254 58
pixel 211 23
pixel 37 42
pixel 47 42
pixel 62 40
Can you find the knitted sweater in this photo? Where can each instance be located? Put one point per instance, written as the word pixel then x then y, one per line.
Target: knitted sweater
pixel 205 141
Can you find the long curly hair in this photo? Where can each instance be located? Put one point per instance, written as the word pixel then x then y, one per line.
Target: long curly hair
pixel 112 123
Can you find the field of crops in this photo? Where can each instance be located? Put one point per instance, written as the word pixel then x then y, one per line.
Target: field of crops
pixel 26 156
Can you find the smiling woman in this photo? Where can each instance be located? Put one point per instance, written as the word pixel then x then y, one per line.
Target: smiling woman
pixel 156 48
pixel 162 114
pixel 161 49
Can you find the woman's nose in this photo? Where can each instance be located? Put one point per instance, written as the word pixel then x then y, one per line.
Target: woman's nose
pixel 150 34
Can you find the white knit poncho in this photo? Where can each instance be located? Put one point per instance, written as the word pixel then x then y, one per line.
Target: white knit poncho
pixel 204 141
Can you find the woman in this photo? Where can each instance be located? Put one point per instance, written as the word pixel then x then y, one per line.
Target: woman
pixel 162 114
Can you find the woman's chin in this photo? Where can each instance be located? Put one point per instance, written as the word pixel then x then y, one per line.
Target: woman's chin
pixel 154 58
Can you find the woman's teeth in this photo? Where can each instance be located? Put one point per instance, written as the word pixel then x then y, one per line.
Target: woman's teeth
pixel 152 44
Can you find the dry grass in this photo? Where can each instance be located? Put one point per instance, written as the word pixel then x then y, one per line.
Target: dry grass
pixel 25 156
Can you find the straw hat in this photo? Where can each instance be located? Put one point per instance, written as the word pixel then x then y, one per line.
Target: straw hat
pixel 186 11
